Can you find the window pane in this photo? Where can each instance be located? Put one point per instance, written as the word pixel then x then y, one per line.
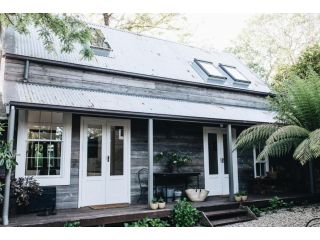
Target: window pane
pixel 57 117
pixel 263 169
pixel 56 133
pixel 45 117
pixel 116 154
pixel 94 150
pixel 33 116
pixel 258 170
pixel 225 154
pixel 210 69
pixel 235 73
pixel 33 132
pixel 45 132
pixel 213 153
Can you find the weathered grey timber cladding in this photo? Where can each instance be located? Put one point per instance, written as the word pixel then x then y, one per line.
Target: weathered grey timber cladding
pixel 59 76
pixel 67 196
pixel 168 136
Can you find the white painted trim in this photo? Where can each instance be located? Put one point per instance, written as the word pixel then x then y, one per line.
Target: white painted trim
pixel 65 165
pixel 127 124
pixel 207 130
pixel 266 161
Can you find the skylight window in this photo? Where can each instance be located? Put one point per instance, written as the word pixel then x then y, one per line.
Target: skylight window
pixel 235 73
pixel 209 69
pixel 99 45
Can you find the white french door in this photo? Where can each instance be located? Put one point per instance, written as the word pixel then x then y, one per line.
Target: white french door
pixel 104 162
pixel 216 161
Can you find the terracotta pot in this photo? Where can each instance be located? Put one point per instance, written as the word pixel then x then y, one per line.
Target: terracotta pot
pixel 162 205
pixel 244 198
pixel 237 198
pixel 154 206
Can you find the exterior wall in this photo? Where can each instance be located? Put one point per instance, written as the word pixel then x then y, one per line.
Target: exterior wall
pixel 67 196
pixel 59 76
pixel 168 136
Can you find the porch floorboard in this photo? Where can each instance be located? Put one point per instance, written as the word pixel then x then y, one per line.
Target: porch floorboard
pixel 91 217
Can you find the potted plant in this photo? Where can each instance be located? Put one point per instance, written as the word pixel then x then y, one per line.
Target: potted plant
pixel 23 190
pixel 162 203
pixel 237 197
pixel 154 204
pixel 174 160
pixel 244 196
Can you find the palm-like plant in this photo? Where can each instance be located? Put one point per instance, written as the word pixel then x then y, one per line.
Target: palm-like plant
pixel 297 129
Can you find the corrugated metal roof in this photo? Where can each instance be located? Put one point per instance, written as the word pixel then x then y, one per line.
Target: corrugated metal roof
pixel 94 100
pixel 136 54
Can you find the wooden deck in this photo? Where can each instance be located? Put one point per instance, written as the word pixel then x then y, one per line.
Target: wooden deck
pixel 117 216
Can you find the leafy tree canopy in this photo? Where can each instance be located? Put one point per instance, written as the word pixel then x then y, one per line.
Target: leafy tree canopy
pixel 69 29
pixel 270 40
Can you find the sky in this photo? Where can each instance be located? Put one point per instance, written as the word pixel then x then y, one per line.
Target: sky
pixel 215 31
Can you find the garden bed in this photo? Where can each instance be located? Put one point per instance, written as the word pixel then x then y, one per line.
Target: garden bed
pixel 293 217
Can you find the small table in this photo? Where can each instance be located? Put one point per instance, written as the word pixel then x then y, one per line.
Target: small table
pixel 167 179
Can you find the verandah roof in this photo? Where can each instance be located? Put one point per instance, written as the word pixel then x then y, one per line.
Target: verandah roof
pixel 26 94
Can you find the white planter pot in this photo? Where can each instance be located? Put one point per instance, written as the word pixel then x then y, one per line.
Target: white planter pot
pixel 162 205
pixel 237 198
pixel 244 198
pixel 154 206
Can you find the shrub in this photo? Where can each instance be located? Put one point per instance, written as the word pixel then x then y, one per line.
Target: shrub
pixel 72 224
pixel 24 189
pixel 148 222
pixel 184 214
pixel 255 210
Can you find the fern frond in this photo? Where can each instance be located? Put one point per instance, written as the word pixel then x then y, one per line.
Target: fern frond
pixel 303 152
pixel 288 132
pixel 255 135
pixel 315 143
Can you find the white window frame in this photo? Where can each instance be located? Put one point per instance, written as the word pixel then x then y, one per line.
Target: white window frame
pixel 266 161
pixel 65 164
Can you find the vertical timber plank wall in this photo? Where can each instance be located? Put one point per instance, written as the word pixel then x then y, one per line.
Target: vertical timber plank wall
pixel 168 136
pixel 67 196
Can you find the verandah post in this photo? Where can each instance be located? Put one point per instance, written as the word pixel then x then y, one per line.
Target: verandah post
pixel 230 162
pixel 150 155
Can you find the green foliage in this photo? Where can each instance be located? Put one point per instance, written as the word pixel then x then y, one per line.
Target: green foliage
pixel 67 28
pixel 148 222
pixel 173 159
pixel 274 204
pixel 308 60
pixel 271 40
pixel 1 188
pixel 297 130
pixel 255 210
pixel 184 214
pixel 154 200
pixel 160 200
pixel 7 159
pixel 24 189
pixel 72 224
pixel 237 194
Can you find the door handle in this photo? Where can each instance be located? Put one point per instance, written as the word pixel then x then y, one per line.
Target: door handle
pixel 108 159
pixel 222 160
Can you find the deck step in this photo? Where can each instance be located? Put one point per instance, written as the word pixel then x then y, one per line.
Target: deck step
pixel 226 213
pixel 226 221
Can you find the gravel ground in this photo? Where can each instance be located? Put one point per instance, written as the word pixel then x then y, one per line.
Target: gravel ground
pixel 295 217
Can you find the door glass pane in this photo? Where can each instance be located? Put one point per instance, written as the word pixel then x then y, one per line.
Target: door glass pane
pixel 94 150
pixel 116 150
pixel 225 154
pixel 213 153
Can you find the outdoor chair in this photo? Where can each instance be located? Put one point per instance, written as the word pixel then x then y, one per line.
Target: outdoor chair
pixel 143 182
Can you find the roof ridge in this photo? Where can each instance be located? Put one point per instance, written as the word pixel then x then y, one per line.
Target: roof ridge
pixel 156 38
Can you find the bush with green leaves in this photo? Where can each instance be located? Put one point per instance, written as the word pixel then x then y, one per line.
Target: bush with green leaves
pixel 297 130
pixel 1 195
pixel 255 210
pixel 72 224
pixel 148 222
pixel 184 214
